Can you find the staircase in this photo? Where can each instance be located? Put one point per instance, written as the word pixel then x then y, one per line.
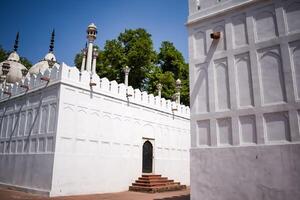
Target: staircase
pixel 155 183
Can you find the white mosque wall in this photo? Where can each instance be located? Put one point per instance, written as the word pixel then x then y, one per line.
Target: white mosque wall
pixel 101 133
pixel 87 139
pixel 27 136
pixel 244 97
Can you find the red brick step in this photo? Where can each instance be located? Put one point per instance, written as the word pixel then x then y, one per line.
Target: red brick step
pixel 155 183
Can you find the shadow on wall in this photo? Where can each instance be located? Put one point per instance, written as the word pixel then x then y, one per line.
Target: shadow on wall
pixel 26 146
pixel 182 197
pixel 13 132
pixel 200 79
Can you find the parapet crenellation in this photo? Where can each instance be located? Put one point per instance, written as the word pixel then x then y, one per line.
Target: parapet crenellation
pixel 65 74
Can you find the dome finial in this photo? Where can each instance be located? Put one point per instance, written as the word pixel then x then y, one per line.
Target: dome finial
pixel 16 45
pixel 51 46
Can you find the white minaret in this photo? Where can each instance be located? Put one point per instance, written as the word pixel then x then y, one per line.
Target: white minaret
pixel 126 71
pixel 91 36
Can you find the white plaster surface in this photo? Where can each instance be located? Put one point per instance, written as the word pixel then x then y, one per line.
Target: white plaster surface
pixel 27 139
pixel 244 92
pixel 66 138
pixel 269 172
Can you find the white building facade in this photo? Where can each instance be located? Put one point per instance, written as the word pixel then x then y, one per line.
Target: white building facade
pixel 245 99
pixel 71 132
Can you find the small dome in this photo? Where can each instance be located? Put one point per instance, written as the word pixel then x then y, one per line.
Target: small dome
pixel 48 62
pixel 50 56
pixel 14 57
pixel 92 26
pixel 15 70
pixel 178 82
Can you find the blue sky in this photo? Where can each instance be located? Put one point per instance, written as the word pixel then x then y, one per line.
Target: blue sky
pixel 35 19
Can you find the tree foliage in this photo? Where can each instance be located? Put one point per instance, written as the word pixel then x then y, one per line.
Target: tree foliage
pixel 134 48
pixel 4 55
pixel 172 66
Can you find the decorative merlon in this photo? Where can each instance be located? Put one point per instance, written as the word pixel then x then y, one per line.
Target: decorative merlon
pixel 73 77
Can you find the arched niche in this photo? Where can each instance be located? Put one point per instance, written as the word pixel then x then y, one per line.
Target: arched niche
pixel 244 80
pixel 202 95
pixel 272 79
pixel 296 67
pixel 222 86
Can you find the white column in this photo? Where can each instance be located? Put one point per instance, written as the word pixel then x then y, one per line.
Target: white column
pixel 159 87
pixel 95 55
pixel 89 57
pixel 83 60
pixel 178 98
pixel 126 71
pixel 178 87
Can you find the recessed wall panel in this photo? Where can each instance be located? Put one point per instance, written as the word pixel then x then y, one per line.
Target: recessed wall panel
pixel 52 118
pixel 44 119
pixel 202 94
pixel 36 121
pixel 293 15
pixel 221 43
pixel 248 129
pixel 29 122
pixel 271 76
pixel 4 126
pixel 295 56
pixel 200 44
pixel 240 37
pixel 22 123
pixel 244 80
pixel 203 132
pixel 277 126
pixel 265 24
pixel 222 85
pixel 224 129
pixel 50 144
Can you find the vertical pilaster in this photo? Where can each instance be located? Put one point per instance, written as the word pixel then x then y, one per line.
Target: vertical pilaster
pixel 89 57
pixel 95 55
pixel 83 64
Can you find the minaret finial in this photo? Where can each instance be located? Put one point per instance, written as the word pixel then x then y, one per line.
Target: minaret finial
pixel 51 46
pixel 16 45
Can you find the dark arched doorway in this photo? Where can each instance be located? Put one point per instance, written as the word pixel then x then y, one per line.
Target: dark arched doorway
pixel 147 157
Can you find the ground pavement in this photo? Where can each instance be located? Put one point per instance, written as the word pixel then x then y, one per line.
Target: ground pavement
pixel 6 194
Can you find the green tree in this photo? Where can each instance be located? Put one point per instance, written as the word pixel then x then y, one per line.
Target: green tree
pixel 3 54
pixel 172 66
pixel 139 55
pixel 25 62
pixel 111 61
pixel 134 48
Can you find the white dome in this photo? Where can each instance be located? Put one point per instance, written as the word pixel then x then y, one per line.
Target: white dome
pixel 93 26
pixel 50 56
pixel 43 64
pixel 15 70
pixel 14 57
